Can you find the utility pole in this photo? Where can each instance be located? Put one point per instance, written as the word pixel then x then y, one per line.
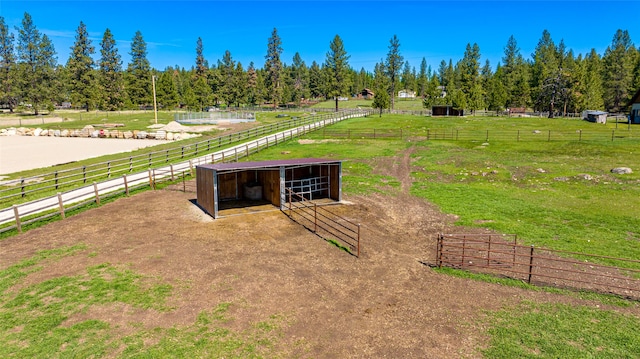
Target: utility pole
pixel 155 106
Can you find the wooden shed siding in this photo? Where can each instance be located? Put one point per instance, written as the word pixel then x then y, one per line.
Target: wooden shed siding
pixel 205 189
pixel 335 178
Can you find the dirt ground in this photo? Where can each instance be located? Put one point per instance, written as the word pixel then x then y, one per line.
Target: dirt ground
pixel 385 304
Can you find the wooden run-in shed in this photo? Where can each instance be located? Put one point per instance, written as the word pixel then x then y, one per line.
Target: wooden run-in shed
pixel 446 111
pixel 267 182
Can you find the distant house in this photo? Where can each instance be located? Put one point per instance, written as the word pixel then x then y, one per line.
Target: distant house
pixel 366 94
pixel 517 111
pixel 634 116
pixel 595 116
pixel 406 94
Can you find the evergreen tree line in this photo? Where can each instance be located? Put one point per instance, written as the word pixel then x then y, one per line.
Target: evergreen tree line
pixel 554 79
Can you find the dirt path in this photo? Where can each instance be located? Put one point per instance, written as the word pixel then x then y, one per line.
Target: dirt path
pixel 384 304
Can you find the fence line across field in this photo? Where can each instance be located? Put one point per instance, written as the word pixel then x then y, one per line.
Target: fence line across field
pixel 500 255
pixel 93 192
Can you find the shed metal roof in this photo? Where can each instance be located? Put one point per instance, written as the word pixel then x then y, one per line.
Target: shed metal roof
pixel 233 166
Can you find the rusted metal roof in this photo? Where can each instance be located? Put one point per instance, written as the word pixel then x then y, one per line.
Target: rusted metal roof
pixel 233 166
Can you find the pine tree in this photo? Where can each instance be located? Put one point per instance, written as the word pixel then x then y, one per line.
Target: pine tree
pixel 82 76
pixel 110 76
pixel 227 71
pixel 408 79
pixel 273 66
pixel 433 93
pixel 7 67
pixel 166 89
pixel 515 78
pixel 469 74
pixel 300 79
pixel 139 73
pixel 337 67
pixel 201 64
pixel 252 85
pixel 618 71
pixel 548 78
pixel 315 80
pixel 241 83
pixel 393 65
pixel 497 96
pixel 423 78
pixel 36 66
pixel 381 99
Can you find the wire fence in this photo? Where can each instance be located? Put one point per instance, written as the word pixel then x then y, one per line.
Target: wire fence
pixel 16 216
pixel 501 255
pixel 485 135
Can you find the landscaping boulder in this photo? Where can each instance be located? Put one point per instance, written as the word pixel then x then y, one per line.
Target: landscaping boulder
pixel 621 170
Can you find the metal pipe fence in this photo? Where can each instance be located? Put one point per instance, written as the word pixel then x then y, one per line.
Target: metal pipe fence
pixel 323 222
pixel 501 255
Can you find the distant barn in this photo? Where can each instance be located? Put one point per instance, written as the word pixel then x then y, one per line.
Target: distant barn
pixel 244 183
pixel 366 94
pixel 446 111
pixel 595 116
pixel 634 116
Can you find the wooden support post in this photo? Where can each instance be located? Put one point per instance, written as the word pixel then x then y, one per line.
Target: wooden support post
pixel 530 266
pixel 190 168
pixel 489 252
pixel 549 137
pixel 61 205
pixel 580 135
pixel 126 185
pixel 95 190
pixel 150 180
pixel 17 215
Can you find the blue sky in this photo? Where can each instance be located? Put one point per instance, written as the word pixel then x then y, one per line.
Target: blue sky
pixel 435 30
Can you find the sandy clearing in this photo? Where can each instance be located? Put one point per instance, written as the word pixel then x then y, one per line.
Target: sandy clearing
pixel 19 153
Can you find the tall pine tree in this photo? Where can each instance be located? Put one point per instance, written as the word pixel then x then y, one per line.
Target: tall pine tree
pixel 337 67
pixel 7 67
pixel 619 64
pixel 139 73
pixel 110 75
pixel 273 66
pixel 36 66
pixel 81 72
pixel 393 66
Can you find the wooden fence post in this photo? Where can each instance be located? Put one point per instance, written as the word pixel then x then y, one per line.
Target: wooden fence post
pixel 315 218
pixel 95 190
pixel 61 204
pixel 126 185
pixel 150 180
pixel 191 168
pixel 17 215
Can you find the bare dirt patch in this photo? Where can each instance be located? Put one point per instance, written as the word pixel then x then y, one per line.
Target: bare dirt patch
pixel 384 304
